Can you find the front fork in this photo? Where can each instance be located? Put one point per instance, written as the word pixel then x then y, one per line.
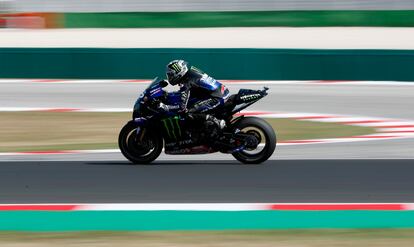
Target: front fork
pixel 140 132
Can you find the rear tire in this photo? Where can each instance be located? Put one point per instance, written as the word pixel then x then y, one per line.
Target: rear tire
pixel 144 151
pixel 269 142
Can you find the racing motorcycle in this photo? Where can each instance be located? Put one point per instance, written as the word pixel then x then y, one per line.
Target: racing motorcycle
pixel 250 140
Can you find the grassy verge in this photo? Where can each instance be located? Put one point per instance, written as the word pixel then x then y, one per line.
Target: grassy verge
pixel 276 238
pixel 31 131
pixel 289 129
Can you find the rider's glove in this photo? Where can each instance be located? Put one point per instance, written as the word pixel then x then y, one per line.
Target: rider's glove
pixel 183 111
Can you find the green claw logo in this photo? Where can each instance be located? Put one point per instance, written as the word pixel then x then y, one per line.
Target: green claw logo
pixel 171 126
pixel 175 67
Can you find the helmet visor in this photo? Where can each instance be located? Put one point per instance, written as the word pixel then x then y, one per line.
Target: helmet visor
pixel 171 77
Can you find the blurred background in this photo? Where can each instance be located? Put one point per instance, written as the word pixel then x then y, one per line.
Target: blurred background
pixel 70 72
pixel 191 24
pixel 199 13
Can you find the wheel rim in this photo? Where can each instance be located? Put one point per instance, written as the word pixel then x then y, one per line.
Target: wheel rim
pixel 139 146
pixel 261 137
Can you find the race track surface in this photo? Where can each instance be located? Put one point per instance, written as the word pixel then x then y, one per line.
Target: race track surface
pixel 387 101
pixel 372 171
pixel 211 181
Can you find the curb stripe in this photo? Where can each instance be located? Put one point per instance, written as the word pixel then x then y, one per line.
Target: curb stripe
pixel 397 126
pixel 313 117
pixel 62 110
pixel 325 207
pixel 363 122
pixel 28 207
pixel 301 141
pixel 373 136
pixel 210 207
pixel 44 109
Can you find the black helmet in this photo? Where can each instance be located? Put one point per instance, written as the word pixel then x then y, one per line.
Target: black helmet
pixel 176 70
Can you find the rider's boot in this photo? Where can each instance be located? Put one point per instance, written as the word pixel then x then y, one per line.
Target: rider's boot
pixel 209 120
pixel 214 129
pixel 211 127
pixel 219 123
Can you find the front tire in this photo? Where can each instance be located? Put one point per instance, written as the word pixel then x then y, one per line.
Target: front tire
pixel 256 126
pixel 142 149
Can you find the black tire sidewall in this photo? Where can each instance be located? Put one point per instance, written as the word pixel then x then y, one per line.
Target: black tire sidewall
pixel 138 159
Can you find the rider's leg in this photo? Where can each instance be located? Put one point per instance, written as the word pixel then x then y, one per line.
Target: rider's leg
pixel 200 112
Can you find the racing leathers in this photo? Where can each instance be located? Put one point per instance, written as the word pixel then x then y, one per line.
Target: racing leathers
pixel 200 93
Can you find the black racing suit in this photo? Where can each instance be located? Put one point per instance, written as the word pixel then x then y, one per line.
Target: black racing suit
pixel 200 93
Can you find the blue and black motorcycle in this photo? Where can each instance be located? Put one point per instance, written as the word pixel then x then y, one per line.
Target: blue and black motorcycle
pixel 250 140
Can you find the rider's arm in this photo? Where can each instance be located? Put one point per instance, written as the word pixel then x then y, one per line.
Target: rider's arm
pixel 185 96
pixel 184 93
pixel 165 107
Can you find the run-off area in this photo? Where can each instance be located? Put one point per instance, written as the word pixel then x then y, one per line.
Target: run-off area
pixel 39 131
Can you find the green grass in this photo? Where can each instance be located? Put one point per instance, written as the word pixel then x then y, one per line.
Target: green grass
pixel 288 129
pixel 34 131
pixel 260 238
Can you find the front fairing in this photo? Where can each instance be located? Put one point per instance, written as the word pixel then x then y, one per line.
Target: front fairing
pixel 154 90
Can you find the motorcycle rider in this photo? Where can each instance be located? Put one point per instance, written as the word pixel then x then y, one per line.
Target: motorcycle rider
pixel 197 84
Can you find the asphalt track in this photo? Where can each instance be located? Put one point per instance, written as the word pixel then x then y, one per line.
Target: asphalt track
pixel 211 181
pixel 304 173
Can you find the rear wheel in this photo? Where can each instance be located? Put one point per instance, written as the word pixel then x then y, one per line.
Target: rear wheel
pixel 142 148
pixel 263 134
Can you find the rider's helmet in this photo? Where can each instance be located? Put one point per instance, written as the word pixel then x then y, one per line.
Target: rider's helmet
pixel 176 70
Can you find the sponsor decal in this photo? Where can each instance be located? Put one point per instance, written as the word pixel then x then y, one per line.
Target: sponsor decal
pixel 179 143
pixel 176 67
pixel 155 91
pixel 172 127
pixel 250 97
pixel 208 80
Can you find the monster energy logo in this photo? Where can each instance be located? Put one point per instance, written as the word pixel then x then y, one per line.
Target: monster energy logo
pixel 175 67
pixel 172 127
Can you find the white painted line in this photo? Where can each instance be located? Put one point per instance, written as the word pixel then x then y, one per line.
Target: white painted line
pixel 395 129
pixel 174 207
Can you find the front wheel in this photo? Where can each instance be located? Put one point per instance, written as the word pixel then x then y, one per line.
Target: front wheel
pixel 141 148
pixel 265 136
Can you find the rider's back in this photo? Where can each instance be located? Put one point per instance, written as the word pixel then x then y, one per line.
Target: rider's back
pixel 202 85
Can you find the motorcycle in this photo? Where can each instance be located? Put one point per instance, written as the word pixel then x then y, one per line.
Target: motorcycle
pixel 250 140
